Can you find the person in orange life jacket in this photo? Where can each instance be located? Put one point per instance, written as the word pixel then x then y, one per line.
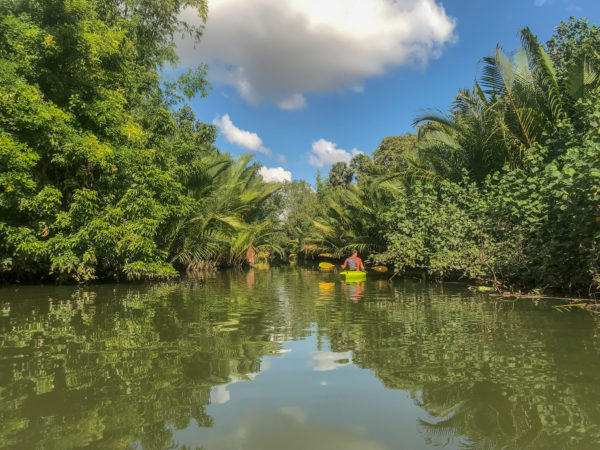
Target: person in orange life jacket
pixel 354 262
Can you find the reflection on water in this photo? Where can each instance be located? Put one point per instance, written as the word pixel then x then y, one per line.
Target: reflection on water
pixel 326 291
pixel 293 359
pixel 353 290
pixel 331 360
pixel 287 428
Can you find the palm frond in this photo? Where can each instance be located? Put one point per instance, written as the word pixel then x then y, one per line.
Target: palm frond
pixel 582 78
pixel 498 76
pixel 541 64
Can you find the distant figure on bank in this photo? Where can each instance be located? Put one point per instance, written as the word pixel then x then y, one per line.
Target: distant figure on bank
pixel 354 262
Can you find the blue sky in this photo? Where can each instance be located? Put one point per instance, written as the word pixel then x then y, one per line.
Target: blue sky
pixel 279 90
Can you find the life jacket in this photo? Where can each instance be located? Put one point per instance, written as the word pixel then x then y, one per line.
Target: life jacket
pixel 352 264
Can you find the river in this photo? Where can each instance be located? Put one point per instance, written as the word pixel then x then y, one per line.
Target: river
pixel 293 359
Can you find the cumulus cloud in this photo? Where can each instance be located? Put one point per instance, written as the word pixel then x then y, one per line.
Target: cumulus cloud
pixel 276 174
pixel 279 50
pixel 324 152
pixel 239 137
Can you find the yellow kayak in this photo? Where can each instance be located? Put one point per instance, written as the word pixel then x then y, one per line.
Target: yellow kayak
pixel 354 275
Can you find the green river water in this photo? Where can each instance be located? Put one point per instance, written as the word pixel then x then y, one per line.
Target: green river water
pixel 293 359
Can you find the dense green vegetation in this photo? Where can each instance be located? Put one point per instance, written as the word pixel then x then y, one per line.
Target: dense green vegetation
pixel 104 171
pixel 106 174
pixel 503 188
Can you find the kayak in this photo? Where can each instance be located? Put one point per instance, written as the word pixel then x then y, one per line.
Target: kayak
pixel 354 275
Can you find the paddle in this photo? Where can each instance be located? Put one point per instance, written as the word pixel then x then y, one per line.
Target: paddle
pixel 327 266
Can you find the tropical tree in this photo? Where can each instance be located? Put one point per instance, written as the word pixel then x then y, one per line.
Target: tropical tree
pixel 227 219
pixel 392 152
pixel 340 174
pixel 501 189
pixel 351 217
pixel 297 205
pixel 99 159
pixel 519 102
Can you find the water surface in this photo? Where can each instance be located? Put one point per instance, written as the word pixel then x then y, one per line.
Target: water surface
pixel 293 359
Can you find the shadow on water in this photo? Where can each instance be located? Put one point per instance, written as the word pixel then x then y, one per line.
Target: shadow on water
pixel 151 366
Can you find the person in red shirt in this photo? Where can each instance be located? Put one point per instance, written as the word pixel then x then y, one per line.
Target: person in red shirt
pixel 354 262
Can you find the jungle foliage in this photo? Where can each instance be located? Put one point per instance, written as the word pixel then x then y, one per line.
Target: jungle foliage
pixel 503 188
pixel 104 171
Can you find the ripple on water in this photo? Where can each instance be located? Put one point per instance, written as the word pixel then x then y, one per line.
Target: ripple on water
pixel 293 358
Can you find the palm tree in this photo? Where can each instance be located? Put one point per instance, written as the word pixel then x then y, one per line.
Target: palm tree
pixel 351 217
pixel 466 139
pixel 227 217
pixel 518 102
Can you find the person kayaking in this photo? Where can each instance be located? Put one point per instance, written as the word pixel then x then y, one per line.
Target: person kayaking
pixel 353 262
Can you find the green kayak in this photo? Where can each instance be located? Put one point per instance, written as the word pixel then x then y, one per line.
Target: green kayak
pixel 354 275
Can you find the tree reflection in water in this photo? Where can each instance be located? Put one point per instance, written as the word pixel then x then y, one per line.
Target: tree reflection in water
pixel 113 366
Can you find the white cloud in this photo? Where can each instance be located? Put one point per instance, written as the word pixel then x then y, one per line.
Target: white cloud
pixel 295 101
pixel 239 137
pixel 540 2
pixel 276 174
pixel 278 50
pixel 325 152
